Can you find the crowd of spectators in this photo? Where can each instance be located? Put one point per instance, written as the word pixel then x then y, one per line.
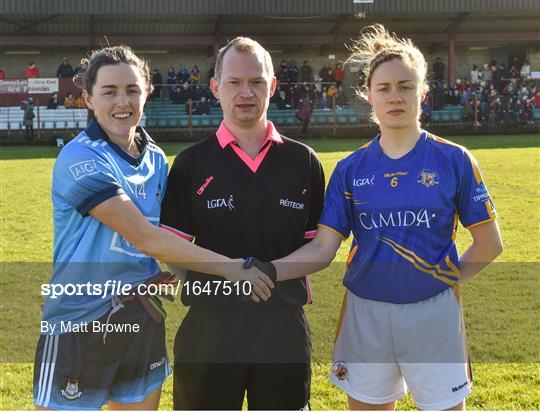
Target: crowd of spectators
pixel 295 87
pixel 69 101
pixel 493 94
pixel 65 70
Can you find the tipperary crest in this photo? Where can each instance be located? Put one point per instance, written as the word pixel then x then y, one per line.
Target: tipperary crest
pixel 428 178
pixel 71 391
pixel 340 371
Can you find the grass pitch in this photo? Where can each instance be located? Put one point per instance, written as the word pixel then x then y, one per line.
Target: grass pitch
pixel 501 304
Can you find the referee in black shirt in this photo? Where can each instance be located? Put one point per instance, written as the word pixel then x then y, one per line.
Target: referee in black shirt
pixel 245 191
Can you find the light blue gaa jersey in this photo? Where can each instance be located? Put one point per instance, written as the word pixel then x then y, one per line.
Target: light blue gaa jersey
pixel 88 171
pixel 404 214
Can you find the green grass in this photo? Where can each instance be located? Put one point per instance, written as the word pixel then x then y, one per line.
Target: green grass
pixel 501 305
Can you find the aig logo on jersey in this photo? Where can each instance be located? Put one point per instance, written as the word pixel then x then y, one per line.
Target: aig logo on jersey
pixel 217 203
pixel 82 169
pixel 428 178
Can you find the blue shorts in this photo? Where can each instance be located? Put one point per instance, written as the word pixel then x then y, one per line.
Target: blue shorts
pixel 119 357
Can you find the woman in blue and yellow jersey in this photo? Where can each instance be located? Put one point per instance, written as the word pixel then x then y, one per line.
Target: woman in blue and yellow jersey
pixel 402 196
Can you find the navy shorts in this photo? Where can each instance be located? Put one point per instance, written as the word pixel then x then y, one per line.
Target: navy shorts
pixel 84 370
pixel 225 352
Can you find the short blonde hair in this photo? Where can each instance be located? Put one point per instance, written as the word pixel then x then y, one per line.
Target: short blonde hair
pixel 376 46
pixel 244 45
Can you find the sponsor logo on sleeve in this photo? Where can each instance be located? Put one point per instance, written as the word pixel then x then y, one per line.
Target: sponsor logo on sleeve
pixel 84 168
pixel 481 193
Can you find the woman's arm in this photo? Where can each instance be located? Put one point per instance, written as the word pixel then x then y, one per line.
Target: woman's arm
pixel 486 246
pixel 121 214
pixel 312 257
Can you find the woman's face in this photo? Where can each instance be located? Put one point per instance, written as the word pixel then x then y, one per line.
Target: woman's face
pixel 117 99
pixel 395 94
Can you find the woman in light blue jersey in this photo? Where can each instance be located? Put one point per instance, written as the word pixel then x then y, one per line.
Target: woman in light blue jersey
pixel 402 196
pixel 105 344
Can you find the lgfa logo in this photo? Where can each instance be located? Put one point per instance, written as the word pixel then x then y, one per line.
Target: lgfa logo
pixel 428 178
pixel 364 181
pixel 215 203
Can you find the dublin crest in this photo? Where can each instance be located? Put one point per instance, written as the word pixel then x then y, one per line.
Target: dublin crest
pixel 71 391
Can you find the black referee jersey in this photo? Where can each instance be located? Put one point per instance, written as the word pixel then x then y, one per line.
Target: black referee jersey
pixel 215 198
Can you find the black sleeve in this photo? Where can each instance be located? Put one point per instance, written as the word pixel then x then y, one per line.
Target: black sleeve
pixel 317 194
pixel 176 206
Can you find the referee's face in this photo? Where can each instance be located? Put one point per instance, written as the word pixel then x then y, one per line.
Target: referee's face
pixel 244 88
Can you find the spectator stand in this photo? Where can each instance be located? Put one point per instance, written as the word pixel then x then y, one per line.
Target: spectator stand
pixel 328 119
pixel 67 122
pixel 161 113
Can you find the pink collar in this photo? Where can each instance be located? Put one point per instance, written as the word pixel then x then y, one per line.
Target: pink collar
pixel 225 138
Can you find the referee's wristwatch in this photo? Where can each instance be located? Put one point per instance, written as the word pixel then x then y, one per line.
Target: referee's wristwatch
pixel 267 268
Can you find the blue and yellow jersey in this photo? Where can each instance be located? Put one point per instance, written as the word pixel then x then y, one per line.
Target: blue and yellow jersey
pixel 403 214
pixel 88 171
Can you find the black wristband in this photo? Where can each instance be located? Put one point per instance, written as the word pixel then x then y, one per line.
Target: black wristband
pixel 267 268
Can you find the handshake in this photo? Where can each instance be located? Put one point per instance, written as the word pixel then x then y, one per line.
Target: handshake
pixel 261 284
pixel 267 268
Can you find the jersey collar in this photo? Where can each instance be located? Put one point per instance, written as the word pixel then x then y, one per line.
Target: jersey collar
pixel 225 137
pixel 95 132
pixel 377 150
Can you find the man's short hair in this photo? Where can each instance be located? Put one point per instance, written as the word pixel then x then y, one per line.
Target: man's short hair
pixel 244 45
